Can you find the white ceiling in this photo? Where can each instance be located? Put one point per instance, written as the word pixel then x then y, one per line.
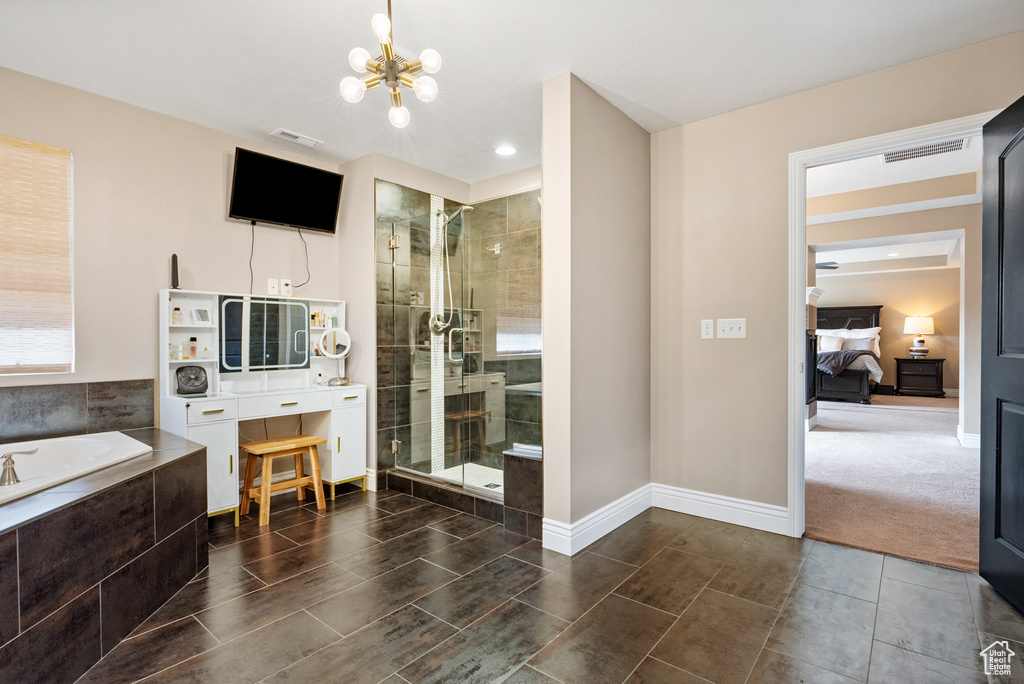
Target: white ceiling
pixel 248 67
pixel 873 172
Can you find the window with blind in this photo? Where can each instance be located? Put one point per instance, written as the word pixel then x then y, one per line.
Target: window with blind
pixel 36 302
pixel 518 319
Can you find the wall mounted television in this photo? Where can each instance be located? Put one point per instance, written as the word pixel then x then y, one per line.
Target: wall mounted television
pixel 266 189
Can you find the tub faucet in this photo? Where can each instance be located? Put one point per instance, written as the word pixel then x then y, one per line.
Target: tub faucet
pixel 9 477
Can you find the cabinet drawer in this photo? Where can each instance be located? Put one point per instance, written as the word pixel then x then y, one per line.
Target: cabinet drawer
pixel 352 396
pixel 210 411
pixel 283 404
pixel 928 382
pixel 920 368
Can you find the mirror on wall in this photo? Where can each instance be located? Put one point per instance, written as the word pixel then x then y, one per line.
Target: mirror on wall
pixel 262 334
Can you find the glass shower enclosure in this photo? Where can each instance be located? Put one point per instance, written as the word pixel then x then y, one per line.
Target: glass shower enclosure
pixel 433 394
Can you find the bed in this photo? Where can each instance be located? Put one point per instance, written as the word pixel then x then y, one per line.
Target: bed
pixel 858 324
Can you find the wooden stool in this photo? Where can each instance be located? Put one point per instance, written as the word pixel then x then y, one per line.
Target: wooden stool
pixel 479 418
pixel 269 449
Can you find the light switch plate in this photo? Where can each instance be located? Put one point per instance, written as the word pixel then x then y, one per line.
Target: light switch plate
pixel 732 328
pixel 707 329
pixel 272 286
pixel 286 287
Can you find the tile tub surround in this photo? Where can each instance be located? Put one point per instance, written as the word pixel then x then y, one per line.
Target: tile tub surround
pixel 381 587
pixel 44 411
pixel 524 494
pixel 92 558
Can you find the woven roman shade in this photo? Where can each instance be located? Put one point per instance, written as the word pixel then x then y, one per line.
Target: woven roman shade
pixel 36 300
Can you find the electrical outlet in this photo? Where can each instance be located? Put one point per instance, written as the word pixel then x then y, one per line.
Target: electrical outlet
pixel 707 329
pixel 732 328
pixel 272 286
pixel 286 287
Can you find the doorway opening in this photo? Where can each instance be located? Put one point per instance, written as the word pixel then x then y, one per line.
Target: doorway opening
pixel 870 237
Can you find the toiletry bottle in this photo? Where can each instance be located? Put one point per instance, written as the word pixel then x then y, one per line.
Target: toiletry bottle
pixel 176 316
pixel 192 347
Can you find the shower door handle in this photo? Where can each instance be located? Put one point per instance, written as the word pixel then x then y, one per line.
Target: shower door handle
pixel 451 357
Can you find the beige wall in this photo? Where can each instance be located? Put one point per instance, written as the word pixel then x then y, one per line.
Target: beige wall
pixel 899 193
pixel 147 185
pixel 720 425
pixel 597 288
pixel 933 293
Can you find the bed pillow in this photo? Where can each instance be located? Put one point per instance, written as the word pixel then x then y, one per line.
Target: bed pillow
pixel 830 332
pixel 859 344
pixel 829 343
pixel 862 333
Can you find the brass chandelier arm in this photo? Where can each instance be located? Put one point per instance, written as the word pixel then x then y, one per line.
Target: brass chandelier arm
pixel 406 80
pixel 372 81
pixel 373 66
pixel 412 66
pixel 396 98
pixel 388 51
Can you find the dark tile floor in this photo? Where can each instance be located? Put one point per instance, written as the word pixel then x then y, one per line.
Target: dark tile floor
pixel 385 588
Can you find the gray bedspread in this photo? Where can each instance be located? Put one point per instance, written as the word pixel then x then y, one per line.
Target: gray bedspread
pixel 835 362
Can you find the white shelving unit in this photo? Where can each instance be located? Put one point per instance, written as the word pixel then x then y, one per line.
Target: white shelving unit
pixel 336 413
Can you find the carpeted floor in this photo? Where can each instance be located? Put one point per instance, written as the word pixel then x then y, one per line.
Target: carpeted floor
pixel 893 480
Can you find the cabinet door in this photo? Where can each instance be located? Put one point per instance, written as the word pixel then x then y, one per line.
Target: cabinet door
pixel 348 445
pixel 221 442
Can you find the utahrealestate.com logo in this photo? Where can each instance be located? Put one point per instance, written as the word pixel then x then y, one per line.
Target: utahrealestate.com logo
pixel 997 659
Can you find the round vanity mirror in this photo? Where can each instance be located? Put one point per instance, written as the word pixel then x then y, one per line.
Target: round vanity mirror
pixel 335 343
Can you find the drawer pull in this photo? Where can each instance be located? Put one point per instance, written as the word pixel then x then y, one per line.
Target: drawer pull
pixel 231 465
pixel 339 445
pixel 495 382
pixel 289 403
pixel 354 396
pixel 423 389
pixel 207 411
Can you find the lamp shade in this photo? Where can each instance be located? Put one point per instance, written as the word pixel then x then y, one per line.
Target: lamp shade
pixel 919 325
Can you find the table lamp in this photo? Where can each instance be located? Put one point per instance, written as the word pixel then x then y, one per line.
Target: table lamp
pixel 919 325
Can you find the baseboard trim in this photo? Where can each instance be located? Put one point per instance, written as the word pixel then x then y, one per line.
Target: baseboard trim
pixel 722 508
pixel 371 480
pixel 951 392
pixel 569 539
pixel 812 422
pixel 968 439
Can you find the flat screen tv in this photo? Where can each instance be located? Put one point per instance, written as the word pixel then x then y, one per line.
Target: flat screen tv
pixel 266 189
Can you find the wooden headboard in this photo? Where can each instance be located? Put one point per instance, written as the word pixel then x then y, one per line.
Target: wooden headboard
pixel 849 317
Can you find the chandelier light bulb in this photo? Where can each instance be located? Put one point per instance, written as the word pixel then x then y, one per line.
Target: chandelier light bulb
pixel 352 89
pixel 425 88
pixel 431 61
pixel 357 59
pixel 381 25
pixel 399 117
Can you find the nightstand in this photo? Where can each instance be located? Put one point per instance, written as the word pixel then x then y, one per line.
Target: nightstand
pixel 921 377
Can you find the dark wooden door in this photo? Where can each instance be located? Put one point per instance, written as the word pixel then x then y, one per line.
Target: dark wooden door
pixel 1002 363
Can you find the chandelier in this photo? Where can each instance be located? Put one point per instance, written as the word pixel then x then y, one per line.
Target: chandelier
pixel 392 70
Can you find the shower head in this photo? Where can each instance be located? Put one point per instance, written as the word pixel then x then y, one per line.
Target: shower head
pixel 465 208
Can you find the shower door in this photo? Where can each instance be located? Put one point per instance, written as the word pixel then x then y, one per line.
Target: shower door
pixel 434 398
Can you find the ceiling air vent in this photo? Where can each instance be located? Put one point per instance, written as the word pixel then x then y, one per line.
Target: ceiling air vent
pixel 296 138
pixel 924 150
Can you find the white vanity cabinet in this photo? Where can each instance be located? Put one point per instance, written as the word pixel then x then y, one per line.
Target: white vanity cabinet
pixel 261 390
pixel 345 459
pixel 221 440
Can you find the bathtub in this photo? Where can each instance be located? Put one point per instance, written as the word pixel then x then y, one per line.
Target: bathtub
pixel 65 458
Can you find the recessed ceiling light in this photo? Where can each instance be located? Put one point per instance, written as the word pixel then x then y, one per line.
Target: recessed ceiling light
pixel 506 150
pixel 892 254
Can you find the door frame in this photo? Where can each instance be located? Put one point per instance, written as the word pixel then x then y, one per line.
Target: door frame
pixel 799 162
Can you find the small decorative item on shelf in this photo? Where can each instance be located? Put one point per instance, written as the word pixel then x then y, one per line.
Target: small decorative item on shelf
pixel 176 316
pixel 201 316
pixel 174 352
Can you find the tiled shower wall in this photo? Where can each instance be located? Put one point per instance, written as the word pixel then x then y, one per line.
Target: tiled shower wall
pixel 44 411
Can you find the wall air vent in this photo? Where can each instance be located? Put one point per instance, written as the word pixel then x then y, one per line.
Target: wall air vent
pixel 296 138
pixel 924 150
